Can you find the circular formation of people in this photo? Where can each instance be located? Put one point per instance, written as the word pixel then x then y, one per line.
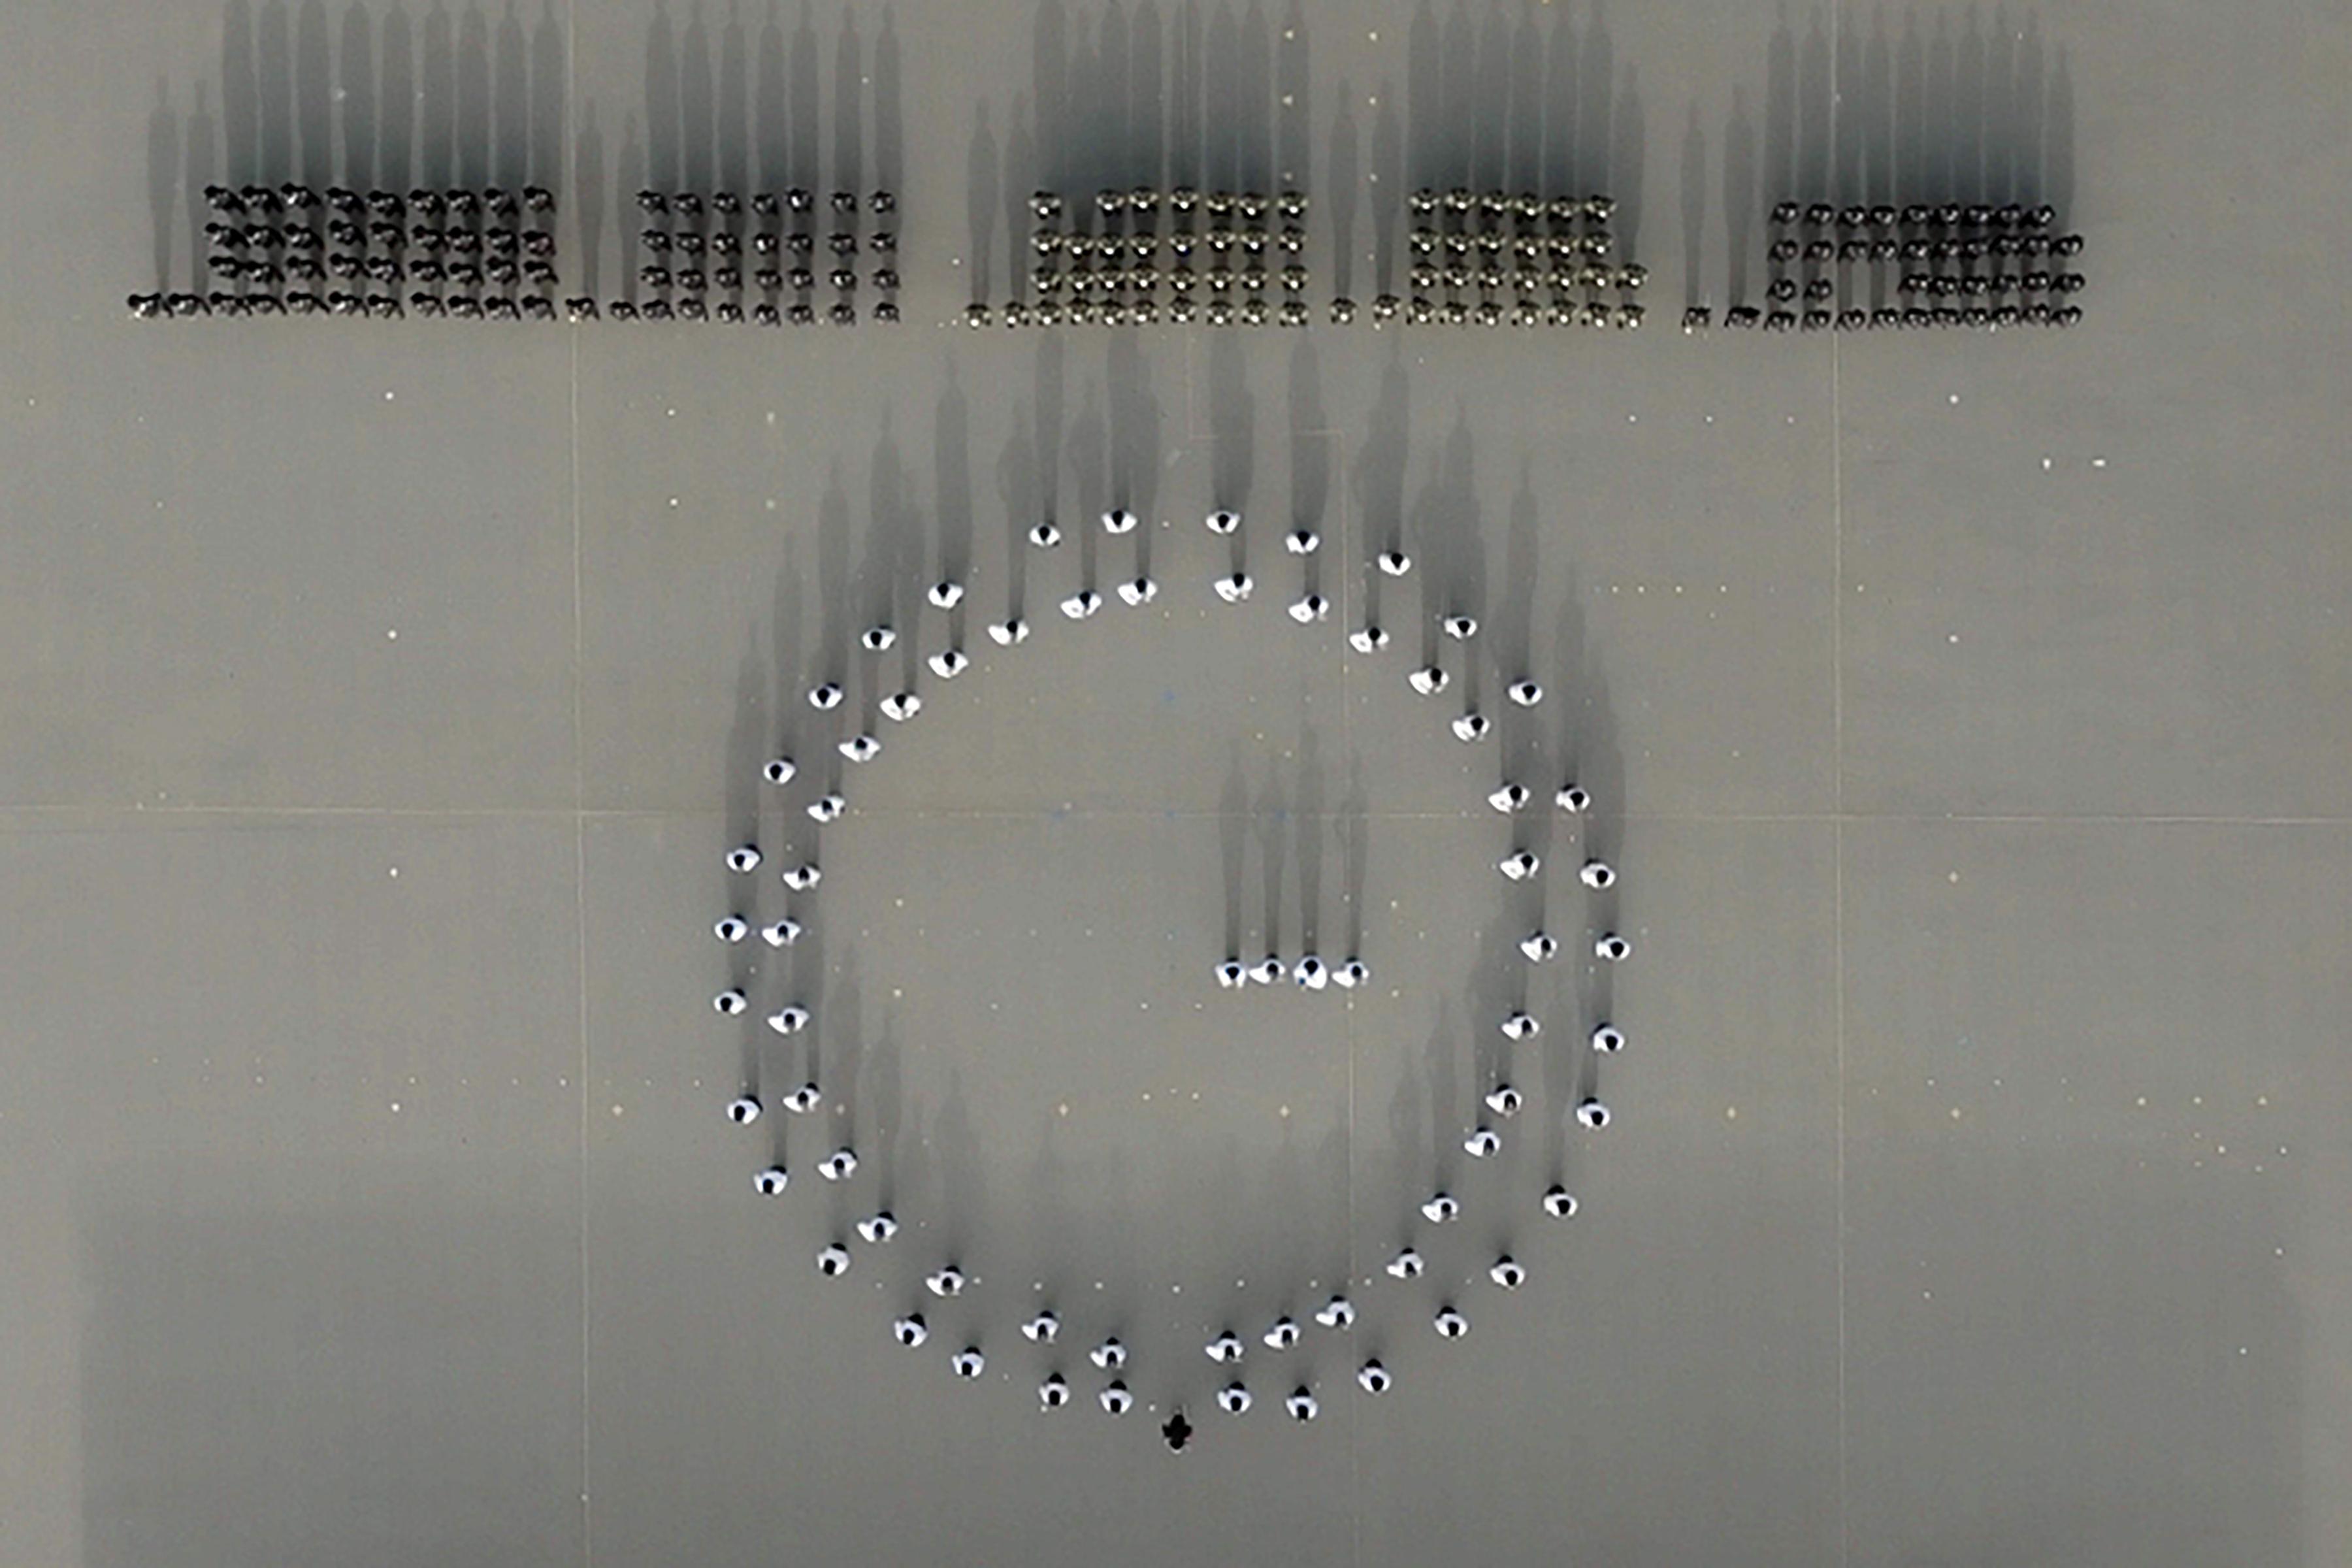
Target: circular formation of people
pixel 1111 1359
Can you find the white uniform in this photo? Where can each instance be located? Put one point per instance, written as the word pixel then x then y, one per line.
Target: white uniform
pixel 1304 542
pixel 910 1331
pixel 733 928
pixel 1460 628
pixel 826 808
pixel 1282 1335
pixel 1594 1114
pixel 1234 1399
pixel 1519 865
pixel 1301 1405
pixel 1526 693
pixel 879 640
pixel 801 878
pixel 1226 1348
pixel 1231 974
pixel 1082 604
pixel 743 857
pixel 1041 1329
pixel 1054 1392
pixel 901 706
pixel 1406 1265
pixel 1608 1039
pixel 1482 1143
pixel 1233 589
pixel 1559 1203
pixel 1116 1400
pixel 837 1167
pixel 1119 520
pixel 1223 522
pixel 1429 680
pixel 1351 974
pixel 1338 1312
pixel 826 695
pixel 1004 634
pixel 1612 948
pixel 779 770
pixel 834 1261
pixel 1371 639
pixel 946 593
pixel 743 1112
pixel 1470 727
pixel 1452 1325
pixel 790 1021
pixel 947 1281
pixel 803 1099
pixel 1374 1378
pixel 1503 1099
pixel 1508 1273
pixel 968 1361
pixel 1509 798
pixel 1310 609
pixel 1044 536
pixel 1310 974
pixel 1395 563
pixel 1539 947
pixel 1441 1208
pixel 1521 1027
pixel 1597 874
pixel 1139 592
pixel 781 933
pixel 1108 1355
pixel 1267 970
pixel 770 1182
pixel 878 1227
pixel 950 663
pixel 861 748
pixel 730 1002
pixel 1574 799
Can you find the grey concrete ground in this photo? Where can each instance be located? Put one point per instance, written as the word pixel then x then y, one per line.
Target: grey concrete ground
pixel 1969 718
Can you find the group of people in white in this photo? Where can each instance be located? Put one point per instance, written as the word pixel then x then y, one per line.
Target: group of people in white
pixel 1502 1100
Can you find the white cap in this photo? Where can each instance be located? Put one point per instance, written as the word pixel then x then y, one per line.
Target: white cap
pixel 1082 604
